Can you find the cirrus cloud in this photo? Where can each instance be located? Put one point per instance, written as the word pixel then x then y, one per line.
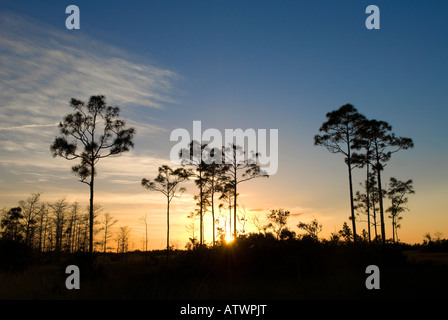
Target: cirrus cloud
pixel 41 68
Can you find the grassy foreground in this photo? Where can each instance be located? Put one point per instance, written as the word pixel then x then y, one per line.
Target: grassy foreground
pixel 261 269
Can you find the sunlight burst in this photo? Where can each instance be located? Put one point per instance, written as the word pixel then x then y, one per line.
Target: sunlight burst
pixel 229 238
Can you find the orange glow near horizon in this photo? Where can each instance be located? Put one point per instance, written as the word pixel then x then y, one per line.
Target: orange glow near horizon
pixel 229 238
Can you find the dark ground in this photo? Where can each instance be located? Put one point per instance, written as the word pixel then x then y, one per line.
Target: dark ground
pixel 257 269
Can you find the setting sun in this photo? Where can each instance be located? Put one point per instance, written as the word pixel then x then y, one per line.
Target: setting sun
pixel 229 238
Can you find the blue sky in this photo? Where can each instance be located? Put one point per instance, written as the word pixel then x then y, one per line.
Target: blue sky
pixel 230 64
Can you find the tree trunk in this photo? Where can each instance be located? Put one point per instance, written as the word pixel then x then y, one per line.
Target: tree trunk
pixel 168 226
pixel 235 164
pixel 44 234
pixel 41 231
pixel 374 218
pixel 146 235
pixel 105 237
pixel 92 179
pixel 234 210
pixel 201 218
pixel 352 208
pixel 380 195
pixel 213 210
pixel 393 228
pixel 230 215
pixel 368 202
pixel 396 233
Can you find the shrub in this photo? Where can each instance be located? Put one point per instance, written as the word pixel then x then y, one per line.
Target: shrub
pixel 14 256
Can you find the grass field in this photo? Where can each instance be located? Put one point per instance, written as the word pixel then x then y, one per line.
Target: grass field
pixel 273 271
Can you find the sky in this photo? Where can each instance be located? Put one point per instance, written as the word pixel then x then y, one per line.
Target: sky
pixel 229 64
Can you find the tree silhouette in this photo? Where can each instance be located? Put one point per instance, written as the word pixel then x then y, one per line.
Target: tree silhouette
pixel 43 220
pixel 97 129
pixel 225 188
pixel 384 143
pixel 167 182
pixel 108 222
pixel 10 224
pixel 346 232
pixel 278 221
pixel 59 212
pixel 123 235
pixel 240 168
pixel 191 229
pixel 313 228
pixel 73 222
pixel 364 160
pixel 366 203
pixel 193 156
pixel 215 179
pixel 209 176
pixel 339 133
pixel 48 226
pixel 397 194
pixel 31 209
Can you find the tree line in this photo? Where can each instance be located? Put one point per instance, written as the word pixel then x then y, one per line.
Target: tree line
pixel 61 226
pixel 94 131
pixel 215 181
pixel 364 143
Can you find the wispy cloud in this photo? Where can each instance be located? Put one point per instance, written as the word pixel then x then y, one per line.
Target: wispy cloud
pixel 41 69
pixel 26 126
